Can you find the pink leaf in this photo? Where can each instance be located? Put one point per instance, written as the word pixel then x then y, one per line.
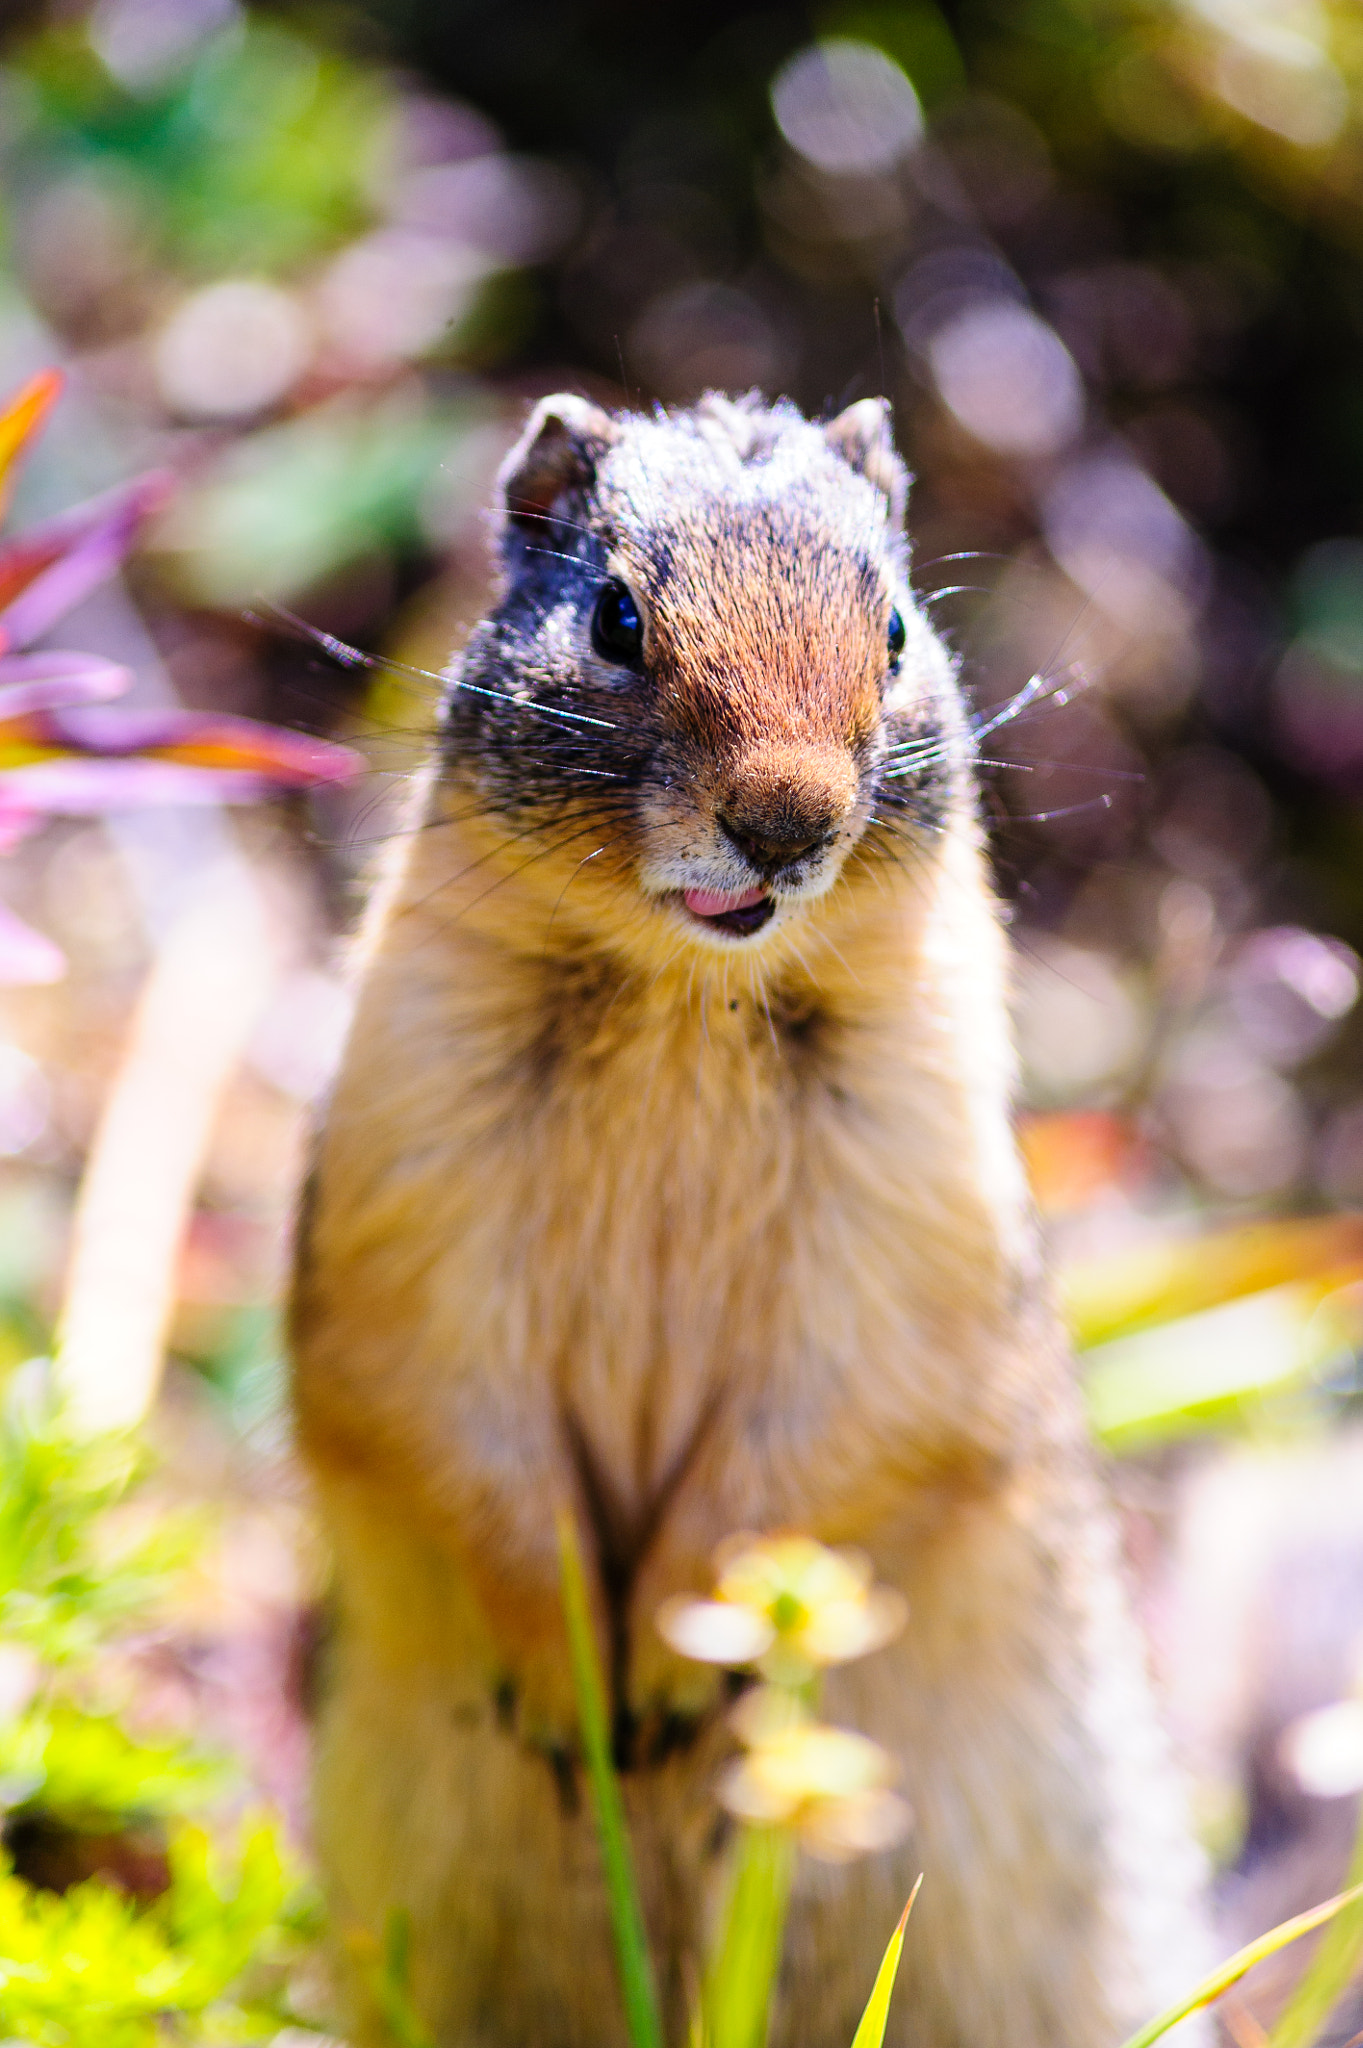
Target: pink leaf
pixel 52 680
pixel 85 787
pixel 62 758
pixel 52 567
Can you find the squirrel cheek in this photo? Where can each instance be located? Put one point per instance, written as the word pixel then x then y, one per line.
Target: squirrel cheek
pixel 900 693
pixel 671 820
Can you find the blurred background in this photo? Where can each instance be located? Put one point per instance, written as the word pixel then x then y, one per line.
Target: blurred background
pixel 1104 256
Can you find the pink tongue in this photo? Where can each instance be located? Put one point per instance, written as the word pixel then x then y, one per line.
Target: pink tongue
pixel 714 902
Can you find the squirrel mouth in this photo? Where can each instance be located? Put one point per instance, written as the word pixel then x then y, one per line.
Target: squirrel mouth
pixel 740 911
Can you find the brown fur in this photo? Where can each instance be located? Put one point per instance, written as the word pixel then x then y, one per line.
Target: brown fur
pixel 701 1235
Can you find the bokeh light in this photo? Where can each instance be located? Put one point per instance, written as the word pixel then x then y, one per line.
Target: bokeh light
pixel 847 107
pixel 1009 378
pixel 232 349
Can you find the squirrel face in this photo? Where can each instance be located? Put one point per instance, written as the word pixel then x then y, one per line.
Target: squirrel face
pixel 705 676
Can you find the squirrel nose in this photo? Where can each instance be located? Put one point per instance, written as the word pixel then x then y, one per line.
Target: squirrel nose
pixel 773 844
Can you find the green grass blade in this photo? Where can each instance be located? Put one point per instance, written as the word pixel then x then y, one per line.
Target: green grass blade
pixel 871 2032
pixel 389 1977
pixel 1328 1974
pixel 742 1974
pixel 627 1919
pixel 1244 1959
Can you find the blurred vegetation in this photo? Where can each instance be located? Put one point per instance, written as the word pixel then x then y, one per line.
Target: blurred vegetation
pixel 122 1923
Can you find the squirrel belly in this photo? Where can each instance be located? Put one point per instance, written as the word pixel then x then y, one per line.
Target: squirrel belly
pixel 670 1176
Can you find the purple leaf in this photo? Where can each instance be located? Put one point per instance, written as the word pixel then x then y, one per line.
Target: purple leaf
pixel 50 681
pixel 200 742
pixel 80 550
pixel 63 747
pixel 83 786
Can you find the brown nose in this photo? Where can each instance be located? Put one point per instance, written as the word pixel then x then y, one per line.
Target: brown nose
pixel 774 842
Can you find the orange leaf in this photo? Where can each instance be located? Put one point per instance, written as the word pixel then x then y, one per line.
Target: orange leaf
pixel 20 421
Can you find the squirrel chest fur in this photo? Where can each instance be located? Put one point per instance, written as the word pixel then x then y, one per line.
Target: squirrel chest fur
pixel 670 1176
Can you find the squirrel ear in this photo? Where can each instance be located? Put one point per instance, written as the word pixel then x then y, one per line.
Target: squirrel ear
pixel 864 437
pixel 563 440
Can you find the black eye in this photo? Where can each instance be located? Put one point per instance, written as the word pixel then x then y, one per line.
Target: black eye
pixel 895 636
pixel 617 629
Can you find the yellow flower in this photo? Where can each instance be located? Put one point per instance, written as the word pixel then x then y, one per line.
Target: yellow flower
pixel 806 1606
pixel 827 1785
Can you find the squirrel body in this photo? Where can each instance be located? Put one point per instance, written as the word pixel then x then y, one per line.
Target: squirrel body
pixel 670 1177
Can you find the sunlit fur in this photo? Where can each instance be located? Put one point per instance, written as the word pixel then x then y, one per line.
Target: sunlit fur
pixel 696 1232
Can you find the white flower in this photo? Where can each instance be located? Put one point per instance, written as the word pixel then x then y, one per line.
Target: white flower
pixel 787 1603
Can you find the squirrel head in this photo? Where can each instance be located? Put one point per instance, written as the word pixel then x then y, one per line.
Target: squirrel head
pixel 705 678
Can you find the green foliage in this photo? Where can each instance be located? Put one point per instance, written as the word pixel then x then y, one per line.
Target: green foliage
pixel 89 1968
pixel 254 156
pixel 86 1771
pixel 62 1586
pixel 1331 1969
pixel 627 1919
pixel 740 1978
pixel 742 1974
pixel 208 1960
pixel 391 1981
pixel 786 1581
pixel 298 499
pixel 276 138
pixel 871 2031
pixel 244 1366
pixel 915 34
pixel 1230 1972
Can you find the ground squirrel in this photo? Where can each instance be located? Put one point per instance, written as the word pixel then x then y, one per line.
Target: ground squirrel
pixel 670 1174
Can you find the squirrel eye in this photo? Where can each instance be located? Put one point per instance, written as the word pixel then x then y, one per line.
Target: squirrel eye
pixel 895 637
pixel 617 629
